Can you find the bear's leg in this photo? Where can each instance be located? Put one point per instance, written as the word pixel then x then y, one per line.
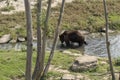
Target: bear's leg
pixel 80 43
pixel 67 43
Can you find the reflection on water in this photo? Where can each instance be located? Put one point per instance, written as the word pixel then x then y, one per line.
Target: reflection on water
pixel 96 46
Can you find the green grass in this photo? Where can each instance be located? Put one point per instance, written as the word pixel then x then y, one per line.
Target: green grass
pixel 87 15
pixel 54 75
pixel 77 15
pixel 62 60
pixel 12 63
pixel 114 22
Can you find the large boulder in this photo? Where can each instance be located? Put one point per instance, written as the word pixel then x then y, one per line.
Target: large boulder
pixel 84 63
pixel 5 38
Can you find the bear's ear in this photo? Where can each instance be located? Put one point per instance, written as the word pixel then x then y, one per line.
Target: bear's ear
pixel 59 35
pixel 66 33
pixel 62 32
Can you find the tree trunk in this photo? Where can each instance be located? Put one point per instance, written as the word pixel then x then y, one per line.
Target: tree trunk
pixel 28 75
pixel 39 41
pixel 107 41
pixel 55 39
pixel 44 40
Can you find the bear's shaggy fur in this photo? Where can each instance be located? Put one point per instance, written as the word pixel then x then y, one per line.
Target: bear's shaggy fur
pixel 72 36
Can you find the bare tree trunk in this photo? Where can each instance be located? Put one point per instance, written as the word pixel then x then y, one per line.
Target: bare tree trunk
pixel 119 75
pixel 55 38
pixel 44 40
pixel 39 41
pixel 107 41
pixel 28 75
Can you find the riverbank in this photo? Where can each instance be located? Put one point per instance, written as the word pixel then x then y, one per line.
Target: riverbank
pixel 78 15
pixel 13 66
pixel 96 45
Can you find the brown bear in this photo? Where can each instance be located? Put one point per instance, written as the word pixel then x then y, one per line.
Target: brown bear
pixel 70 37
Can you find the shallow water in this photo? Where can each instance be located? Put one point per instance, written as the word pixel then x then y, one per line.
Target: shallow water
pixel 96 45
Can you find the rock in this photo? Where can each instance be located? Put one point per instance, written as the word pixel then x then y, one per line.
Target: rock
pixel 21 39
pixel 95 35
pixel 84 63
pixel 17 26
pixel 103 63
pixel 34 38
pixel 79 77
pixel 75 54
pixel 5 38
pixel 83 32
pixel 68 77
pixel 71 53
pixel 13 41
pixel 109 77
pixel 74 77
pixel 67 52
pixel 58 69
pixel 104 30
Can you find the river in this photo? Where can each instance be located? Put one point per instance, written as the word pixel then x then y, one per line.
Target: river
pixel 96 45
